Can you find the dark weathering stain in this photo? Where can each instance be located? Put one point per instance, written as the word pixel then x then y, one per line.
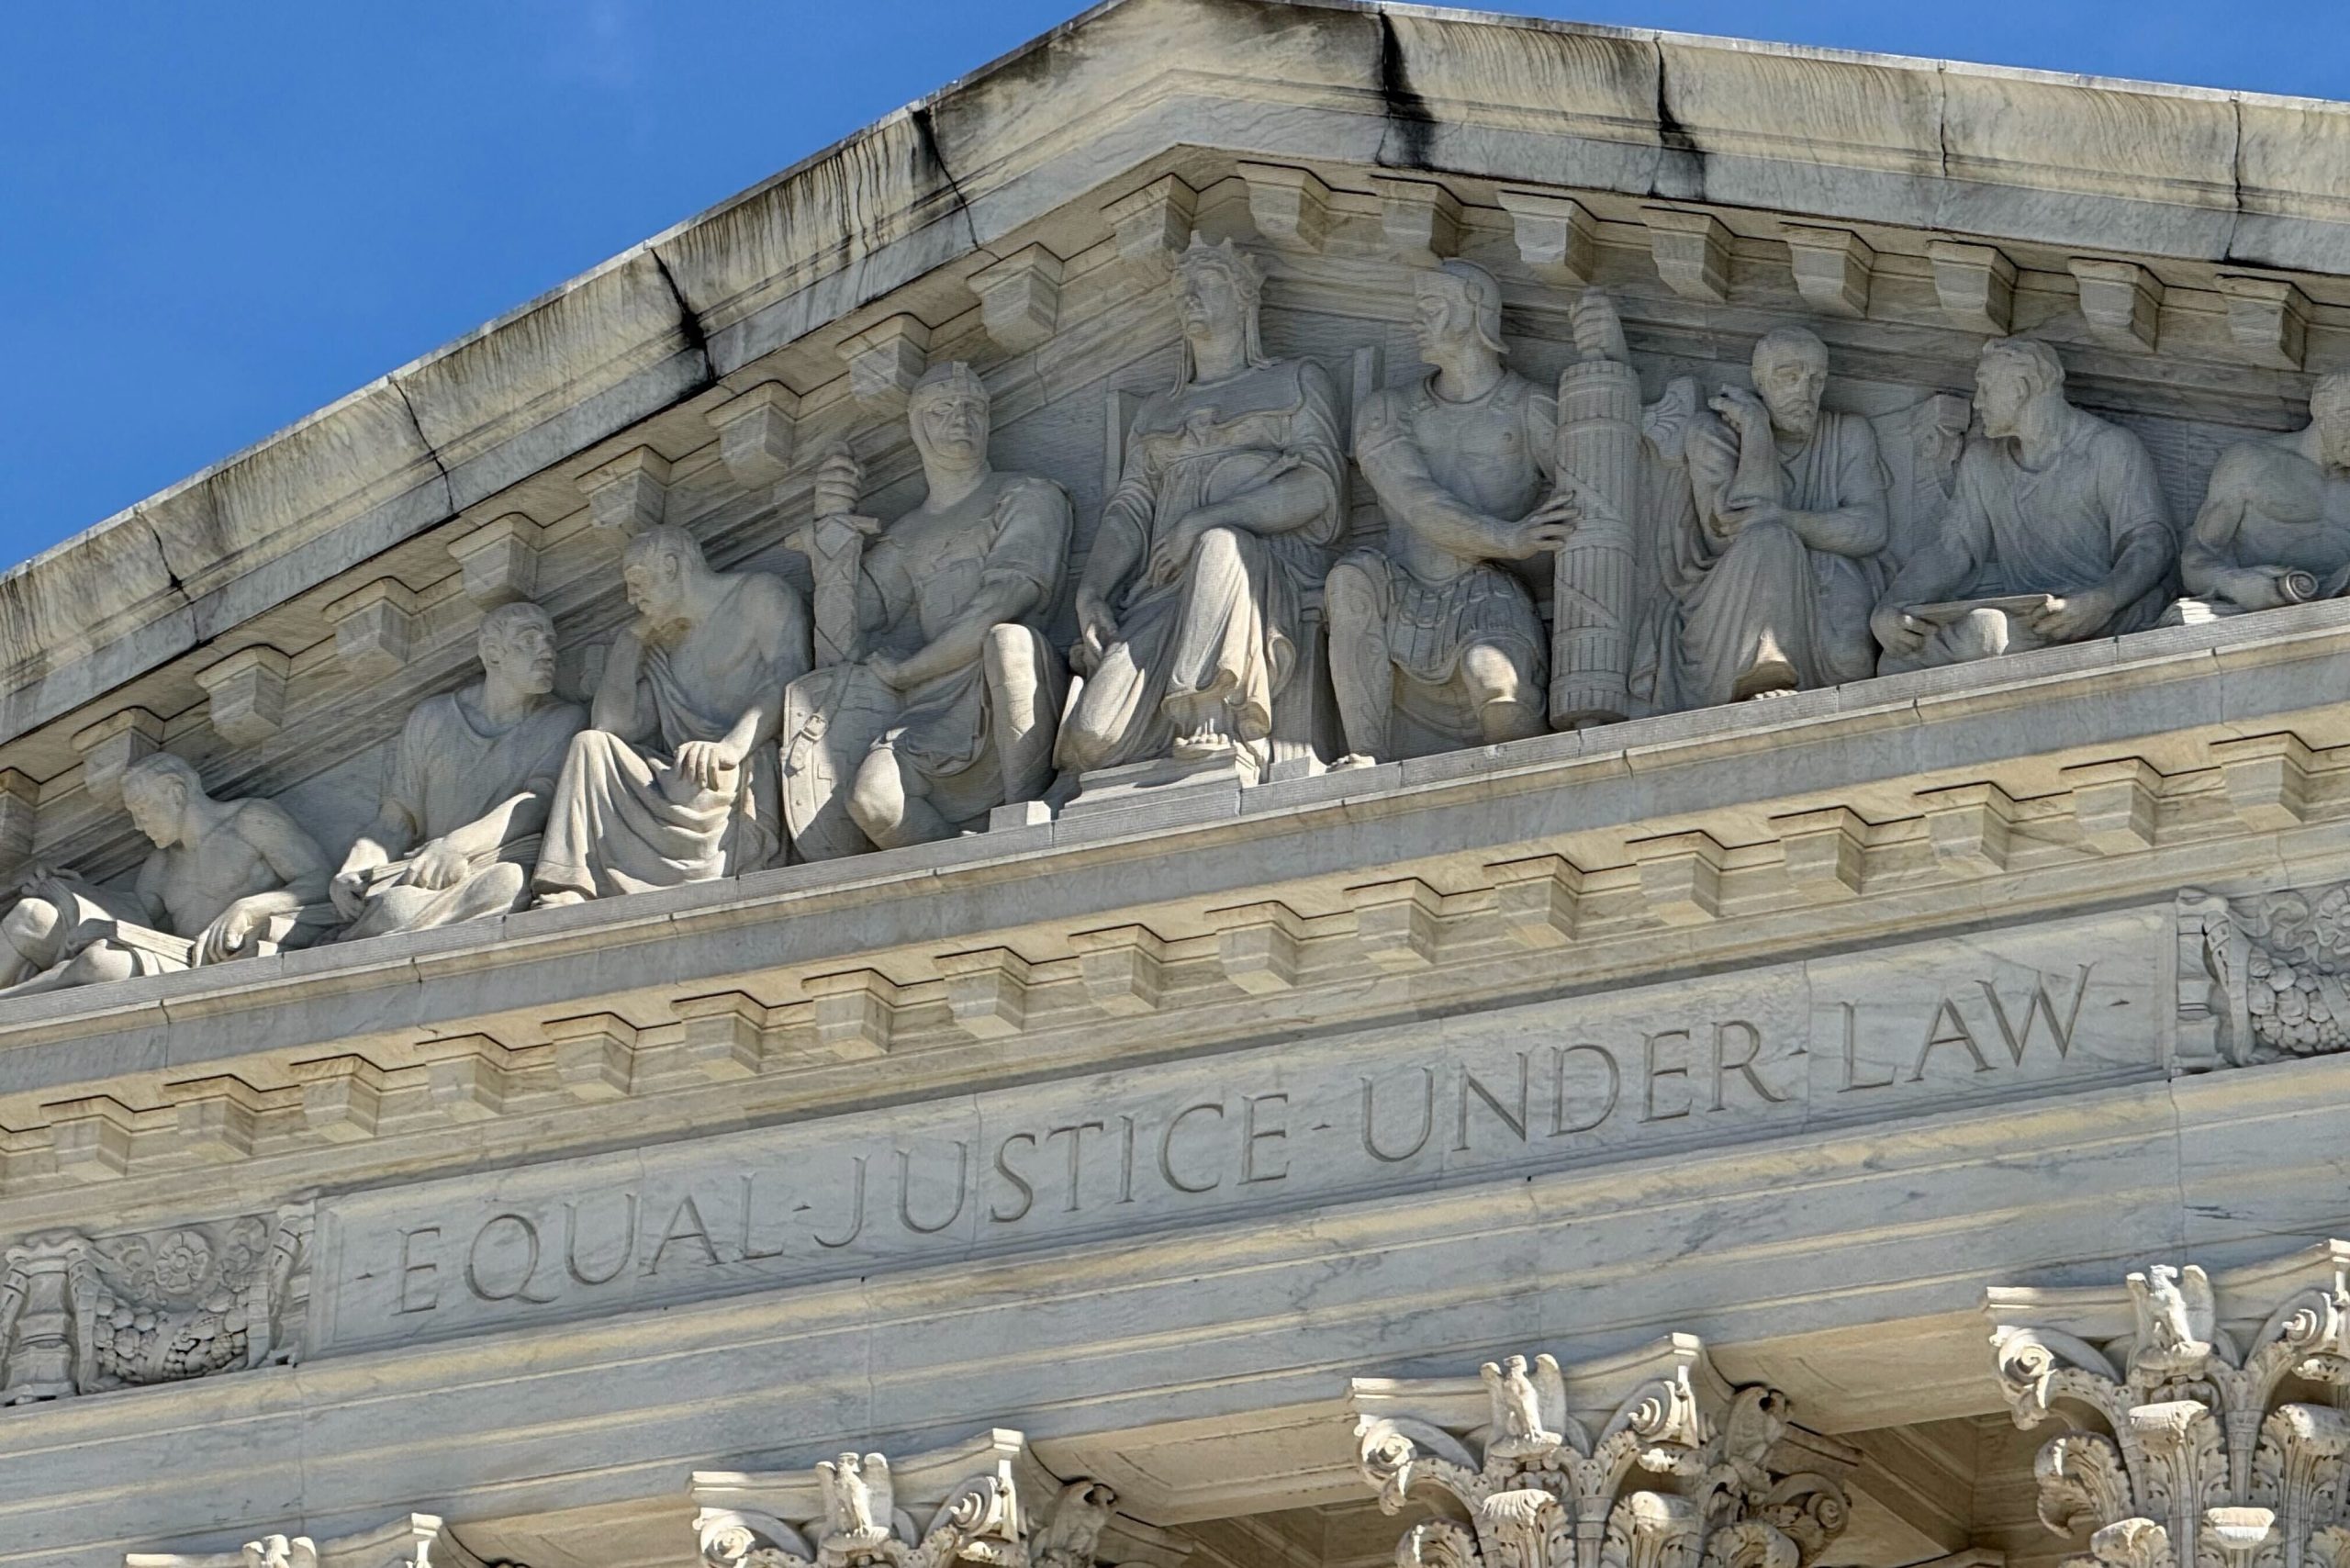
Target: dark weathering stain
pixel 1670 131
pixel 926 135
pixel 1411 128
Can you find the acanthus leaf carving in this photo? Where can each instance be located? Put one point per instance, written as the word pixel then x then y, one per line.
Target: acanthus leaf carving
pixel 2206 1460
pixel 1682 1472
pixel 409 1541
pixel 859 1510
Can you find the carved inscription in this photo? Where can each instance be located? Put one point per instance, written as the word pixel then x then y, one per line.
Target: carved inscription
pixel 1903 1032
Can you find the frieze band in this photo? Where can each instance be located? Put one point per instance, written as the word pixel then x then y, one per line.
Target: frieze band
pixel 1704 547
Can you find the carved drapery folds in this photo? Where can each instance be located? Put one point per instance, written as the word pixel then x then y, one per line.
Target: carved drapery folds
pixel 2205 1416
pixel 82 1316
pixel 970 1504
pixel 1776 529
pixel 1646 1462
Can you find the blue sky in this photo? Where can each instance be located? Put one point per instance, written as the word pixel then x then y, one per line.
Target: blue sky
pixel 216 217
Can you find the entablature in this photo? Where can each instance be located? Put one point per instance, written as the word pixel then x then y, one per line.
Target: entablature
pixel 1555 867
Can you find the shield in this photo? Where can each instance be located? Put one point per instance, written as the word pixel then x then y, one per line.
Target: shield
pixel 831 719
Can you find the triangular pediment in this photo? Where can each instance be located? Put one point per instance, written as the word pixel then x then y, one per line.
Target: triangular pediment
pixel 1191 1123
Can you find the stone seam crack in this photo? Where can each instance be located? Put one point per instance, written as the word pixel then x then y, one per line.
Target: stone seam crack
pixel 928 134
pixel 688 324
pixel 448 485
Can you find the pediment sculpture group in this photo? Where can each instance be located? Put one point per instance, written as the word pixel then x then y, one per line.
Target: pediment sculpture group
pixel 1699 551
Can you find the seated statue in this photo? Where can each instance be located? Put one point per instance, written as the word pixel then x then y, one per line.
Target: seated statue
pixel 238 877
pixel 2057 530
pixel 946 704
pixel 471 777
pixel 676 782
pixel 1432 646
pixel 1775 576
pixel 2275 528
pixel 1232 491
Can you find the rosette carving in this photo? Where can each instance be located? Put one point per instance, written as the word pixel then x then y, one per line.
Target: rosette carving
pixel 2204 1426
pixel 81 1316
pixel 1650 1462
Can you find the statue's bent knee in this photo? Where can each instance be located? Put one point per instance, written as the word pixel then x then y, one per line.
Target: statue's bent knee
pixel 877 797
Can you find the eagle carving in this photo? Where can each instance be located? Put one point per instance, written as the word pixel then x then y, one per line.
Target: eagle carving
pixel 1529 1406
pixel 860 1504
pixel 2177 1315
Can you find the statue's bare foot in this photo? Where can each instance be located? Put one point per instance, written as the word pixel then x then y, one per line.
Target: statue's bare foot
pixel 561 898
pixel 1355 760
pixel 1775 691
pixel 1770 675
pixel 1203 746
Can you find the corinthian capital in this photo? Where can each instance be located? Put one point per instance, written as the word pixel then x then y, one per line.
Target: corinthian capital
pixel 1650 1460
pixel 969 1503
pixel 411 1540
pixel 2212 1433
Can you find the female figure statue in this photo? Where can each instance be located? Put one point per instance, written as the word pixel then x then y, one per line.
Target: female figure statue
pixel 1231 493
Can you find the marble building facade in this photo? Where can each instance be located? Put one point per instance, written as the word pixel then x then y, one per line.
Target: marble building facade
pixel 1302 784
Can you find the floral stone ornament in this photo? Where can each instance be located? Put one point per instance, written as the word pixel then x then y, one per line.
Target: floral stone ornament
pixel 82 1315
pixel 1658 1464
pixel 959 1504
pixel 2213 1433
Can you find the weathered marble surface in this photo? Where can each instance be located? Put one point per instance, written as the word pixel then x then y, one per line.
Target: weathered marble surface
pixel 2204 1447
pixel 1651 1451
pixel 937 694
pixel 1231 492
pixel 1774 1051
pixel 1259 985
pixel 1435 633
pixel 87 1315
pixel 2274 528
pixel 2058 530
pixel 472 776
pixel 226 879
pixel 674 780
pixel 1776 582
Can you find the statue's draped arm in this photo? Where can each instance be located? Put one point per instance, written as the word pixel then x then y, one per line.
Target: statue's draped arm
pixel 885 588
pixel 1123 540
pixel 783 656
pixel 2143 544
pixel 1861 519
pixel 1304 490
pixel 624 704
pixel 400 819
